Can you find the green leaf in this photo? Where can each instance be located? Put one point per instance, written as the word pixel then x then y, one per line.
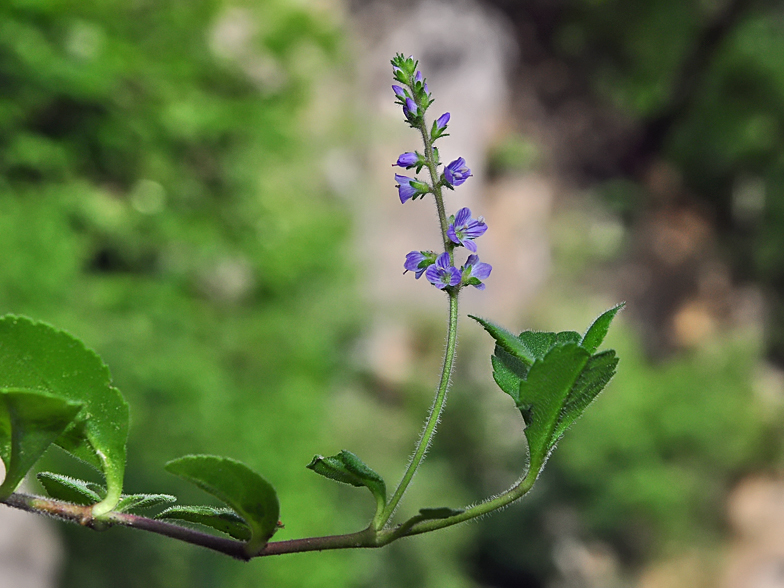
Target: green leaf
pixel 508 372
pixel 136 502
pixel 30 421
pixel 596 333
pixel 224 520
pixel 594 377
pixel 543 394
pixel 37 356
pixel 443 512
pixel 427 514
pixel 347 468
pixel 552 378
pixel 68 489
pixel 245 491
pixel 507 341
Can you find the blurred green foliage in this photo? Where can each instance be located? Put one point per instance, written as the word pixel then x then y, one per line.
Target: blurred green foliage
pixel 161 199
pixel 712 72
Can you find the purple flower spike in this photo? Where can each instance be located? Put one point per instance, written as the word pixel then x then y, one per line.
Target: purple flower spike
pixel 399 92
pixel 407 160
pixel 465 229
pixel 442 274
pixel 410 109
pixel 418 262
pixel 405 189
pixel 456 172
pixel 474 271
pixel 442 120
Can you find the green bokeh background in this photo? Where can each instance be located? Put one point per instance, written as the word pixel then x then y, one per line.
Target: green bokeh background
pixel 162 198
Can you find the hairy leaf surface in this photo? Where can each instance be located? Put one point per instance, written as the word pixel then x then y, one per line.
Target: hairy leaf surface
pixel 30 421
pixel 251 496
pixel 38 357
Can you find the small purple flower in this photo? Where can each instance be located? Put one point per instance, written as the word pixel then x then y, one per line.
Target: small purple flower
pixel 441 122
pixel 407 160
pixel 456 172
pixel 418 77
pixel 410 108
pixel 474 271
pixel 418 262
pixel 399 92
pixel 442 274
pixel 405 189
pixel 465 229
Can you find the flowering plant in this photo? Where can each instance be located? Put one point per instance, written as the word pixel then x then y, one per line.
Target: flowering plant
pixel 53 390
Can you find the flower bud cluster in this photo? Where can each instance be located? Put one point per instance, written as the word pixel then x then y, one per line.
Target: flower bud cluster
pixel 413 95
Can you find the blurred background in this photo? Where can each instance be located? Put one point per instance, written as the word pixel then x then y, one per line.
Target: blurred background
pixel 202 192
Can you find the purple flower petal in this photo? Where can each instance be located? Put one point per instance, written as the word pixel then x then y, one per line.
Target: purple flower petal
pixel 442 120
pixel 399 92
pixel 405 189
pixel 442 273
pixel 464 229
pixel 418 262
pixel 462 216
pixel 456 172
pixel 407 160
pixel 474 271
pixel 481 270
pixel 410 108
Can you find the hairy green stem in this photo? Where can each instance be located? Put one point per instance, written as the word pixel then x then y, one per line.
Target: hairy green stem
pixel 433 417
pixel 367 538
pixel 432 166
pixel 492 504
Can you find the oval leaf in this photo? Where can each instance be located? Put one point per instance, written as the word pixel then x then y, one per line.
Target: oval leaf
pixel 30 421
pixel 68 489
pixel 37 356
pixel 231 481
pixel 347 468
pixel 443 512
pixel 427 514
pixel 136 502
pixel 224 520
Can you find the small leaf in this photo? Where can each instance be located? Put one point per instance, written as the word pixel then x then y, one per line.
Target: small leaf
pixel 245 491
pixel 439 513
pixel 224 520
pixel 596 333
pixel 543 394
pixel 507 341
pixel 30 421
pixel 347 468
pixel 428 514
pixel 68 489
pixel 38 357
pixel 136 502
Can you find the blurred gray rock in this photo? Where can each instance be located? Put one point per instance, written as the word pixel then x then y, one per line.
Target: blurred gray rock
pixel 30 551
